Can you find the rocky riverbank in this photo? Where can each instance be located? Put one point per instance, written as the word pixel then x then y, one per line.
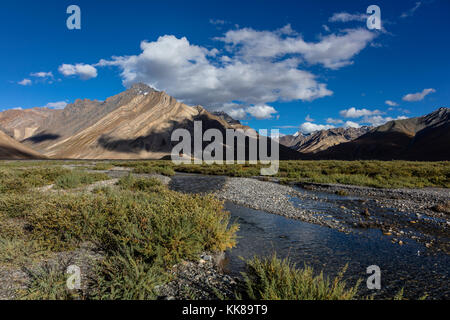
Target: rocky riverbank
pixel 415 214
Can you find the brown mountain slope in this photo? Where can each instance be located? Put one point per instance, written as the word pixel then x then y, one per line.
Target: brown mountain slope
pixel 421 138
pixel 22 124
pixel 323 139
pixel 12 149
pixel 135 124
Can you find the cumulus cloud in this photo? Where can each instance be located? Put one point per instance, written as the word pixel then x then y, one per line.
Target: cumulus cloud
pixel 332 51
pixel 42 74
pixel 351 124
pixel 357 113
pixel 189 73
pixel 84 71
pixel 25 82
pixel 309 127
pixel 391 103
pixel 411 11
pixel 334 121
pixel 261 111
pixel 412 97
pixel 56 105
pixel 380 120
pixel 254 69
pixel 346 17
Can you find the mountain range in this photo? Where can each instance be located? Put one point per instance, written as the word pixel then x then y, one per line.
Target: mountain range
pixel 138 124
pixel 323 139
pixel 425 138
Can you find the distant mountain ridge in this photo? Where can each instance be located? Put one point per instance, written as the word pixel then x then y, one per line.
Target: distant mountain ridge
pixel 226 117
pixel 323 139
pixel 424 138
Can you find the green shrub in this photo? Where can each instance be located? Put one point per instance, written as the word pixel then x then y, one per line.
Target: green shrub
pixel 77 178
pixel 49 282
pixel 275 279
pixel 124 277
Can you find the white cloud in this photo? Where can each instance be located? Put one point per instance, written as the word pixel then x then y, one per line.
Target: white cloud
pixel 351 124
pixel 391 103
pixel 332 51
pixel 309 119
pixel 238 114
pixel 326 28
pixel 255 69
pixel 56 105
pixel 346 17
pixel 411 11
pixel 411 97
pixel 379 120
pixel 309 127
pixel 189 73
pixel 357 113
pixel 42 74
pixel 25 82
pixel 84 71
pixel 261 111
pixel 334 121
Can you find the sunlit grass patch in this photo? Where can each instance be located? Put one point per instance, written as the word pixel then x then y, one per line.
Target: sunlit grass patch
pixel 76 178
pixel 151 167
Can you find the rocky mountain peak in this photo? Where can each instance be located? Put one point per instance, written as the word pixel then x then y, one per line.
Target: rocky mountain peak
pixel 140 88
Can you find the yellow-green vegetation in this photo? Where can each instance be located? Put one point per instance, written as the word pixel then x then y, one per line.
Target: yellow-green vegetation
pixel 379 174
pixel 160 167
pixel 77 178
pixel 141 226
pixel 20 180
pixel 278 279
pixel 102 166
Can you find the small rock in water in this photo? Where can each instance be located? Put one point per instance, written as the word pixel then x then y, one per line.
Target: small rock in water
pixel 365 212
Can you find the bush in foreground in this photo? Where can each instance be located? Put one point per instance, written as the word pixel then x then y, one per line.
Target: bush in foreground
pixel 142 227
pixel 276 279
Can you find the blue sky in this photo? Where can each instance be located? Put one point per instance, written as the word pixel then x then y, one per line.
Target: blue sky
pixel 274 64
